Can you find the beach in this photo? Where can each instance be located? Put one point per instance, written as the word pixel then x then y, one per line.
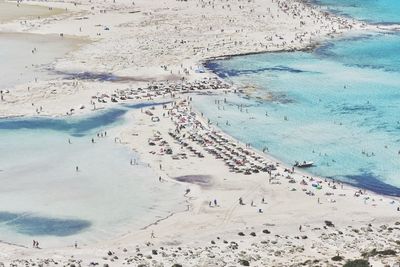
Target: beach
pixel 236 205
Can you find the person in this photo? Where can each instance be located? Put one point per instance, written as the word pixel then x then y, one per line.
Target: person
pixel 152 234
pixel 34 244
pixel 92 141
pixel 69 141
pixel 215 202
pixel 77 168
pixel 76 244
pixel 159 179
pixel 300 228
pixel 262 200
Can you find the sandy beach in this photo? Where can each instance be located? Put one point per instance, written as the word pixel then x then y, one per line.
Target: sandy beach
pixel 242 206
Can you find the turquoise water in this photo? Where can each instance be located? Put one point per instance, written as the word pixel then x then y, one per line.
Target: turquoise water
pixel 373 11
pixel 341 102
pixel 43 197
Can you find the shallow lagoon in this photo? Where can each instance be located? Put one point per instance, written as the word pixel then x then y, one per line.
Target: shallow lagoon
pixel 19 65
pixel 42 196
pixel 341 101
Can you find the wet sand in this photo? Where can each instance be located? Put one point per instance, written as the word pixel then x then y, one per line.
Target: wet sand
pixel 11 11
pixel 25 57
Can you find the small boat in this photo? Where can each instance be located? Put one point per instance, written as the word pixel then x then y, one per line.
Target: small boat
pixel 304 164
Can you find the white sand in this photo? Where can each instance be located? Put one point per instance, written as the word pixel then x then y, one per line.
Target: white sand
pixel 134 42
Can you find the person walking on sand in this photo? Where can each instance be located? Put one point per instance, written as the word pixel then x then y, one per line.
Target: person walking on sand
pixel 300 228
pixel 77 168
pixel 76 244
pixel 152 235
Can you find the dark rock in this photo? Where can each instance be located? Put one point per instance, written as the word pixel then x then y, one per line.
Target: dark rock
pixel 329 224
pixel 337 258
pixel 374 252
pixel 244 262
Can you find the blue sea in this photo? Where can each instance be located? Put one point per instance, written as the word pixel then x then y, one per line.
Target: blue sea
pixel 372 11
pixel 338 105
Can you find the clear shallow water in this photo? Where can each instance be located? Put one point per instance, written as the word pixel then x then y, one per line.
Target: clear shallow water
pixel 42 197
pixel 375 11
pixel 342 104
pixel 19 65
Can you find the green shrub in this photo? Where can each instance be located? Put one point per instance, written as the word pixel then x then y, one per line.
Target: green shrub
pixel 357 263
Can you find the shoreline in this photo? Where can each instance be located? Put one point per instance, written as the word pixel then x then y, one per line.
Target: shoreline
pixel 29 11
pixel 303 172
